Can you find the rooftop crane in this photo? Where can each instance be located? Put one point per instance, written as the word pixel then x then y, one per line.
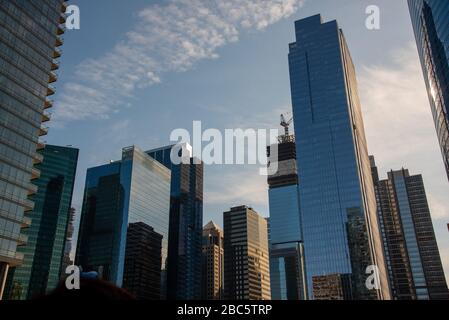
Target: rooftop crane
pixel 286 124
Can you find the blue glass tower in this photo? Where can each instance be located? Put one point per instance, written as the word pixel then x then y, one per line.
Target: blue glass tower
pixel 285 236
pixel 44 252
pixel 430 19
pixel 339 225
pixel 186 225
pixel 125 200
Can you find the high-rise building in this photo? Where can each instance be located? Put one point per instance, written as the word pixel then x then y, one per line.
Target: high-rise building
pixel 68 260
pixel 430 19
pixel 142 275
pixel 332 287
pixel 123 201
pixel 246 256
pixel 30 34
pixel 337 203
pixel 186 222
pixel 285 239
pixel 213 262
pixel 413 259
pixel 44 252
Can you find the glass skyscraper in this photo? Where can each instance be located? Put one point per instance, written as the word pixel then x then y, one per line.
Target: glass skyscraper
pixel 44 252
pixel 414 264
pixel 336 195
pixel 30 34
pixel 186 224
pixel 430 19
pixel 285 236
pixel 125 201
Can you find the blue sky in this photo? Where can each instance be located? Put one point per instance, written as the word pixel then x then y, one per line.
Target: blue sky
pixel 138 69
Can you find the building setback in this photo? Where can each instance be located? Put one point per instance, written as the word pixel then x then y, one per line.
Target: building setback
pixel 336 195
pixel 430 20
pixel 30 34
pixel 186 223
pixel 44 252
pixel 213 262
pixel 246 255
pixel 131 195
pixel 413 259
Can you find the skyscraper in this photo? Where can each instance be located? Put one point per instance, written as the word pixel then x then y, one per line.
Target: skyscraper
pixel 186 223
pixel 413 259
pixel 430 20
pixel 213 262
pixel 123 201
pixel 30 32
pixel 336 194
pixel 286 247
pixel 44 252
pixel 246 256
pixel 67 260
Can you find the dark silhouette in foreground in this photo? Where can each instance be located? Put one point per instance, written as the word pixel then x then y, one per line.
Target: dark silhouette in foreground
pixel 90 289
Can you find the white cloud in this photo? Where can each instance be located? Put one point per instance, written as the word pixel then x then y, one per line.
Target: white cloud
pixel 167 38
pixel 230 186
pixel 401 133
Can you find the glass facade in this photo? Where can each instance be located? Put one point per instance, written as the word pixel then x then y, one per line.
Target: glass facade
pixel 135 190
pixel 413 259
pixel 430 19
pixel 336 195
pixel 43 254
pixel 286 256
pixel 186 225
pixel 30 32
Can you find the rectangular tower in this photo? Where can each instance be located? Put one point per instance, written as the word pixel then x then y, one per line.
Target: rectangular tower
pixel 186 222
pixel 30 34
pixel 213 262
pixel 413 259
pixel 246 256
pixel 430 20
pixel 117 196
pixel 46 236
pixel 286 247
pixel 336 194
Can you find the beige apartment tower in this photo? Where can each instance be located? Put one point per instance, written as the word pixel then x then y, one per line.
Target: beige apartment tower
pixel 246 255
pixel 213 262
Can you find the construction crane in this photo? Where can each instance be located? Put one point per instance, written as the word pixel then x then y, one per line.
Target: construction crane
pixel 286 124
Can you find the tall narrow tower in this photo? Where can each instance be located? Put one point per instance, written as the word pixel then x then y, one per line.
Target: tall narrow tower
pixel 336 195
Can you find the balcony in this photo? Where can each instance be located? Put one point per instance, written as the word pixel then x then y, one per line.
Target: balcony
pixel 62 18
pixel 59 41
pixel 43 131
pixel 52 78
pixel 45 117
pixel 32 189
pixel 57 53
pixel 50 91
pixel 29 205
pixel 26 222
pixel 61 30
pixel 22 240
pixel 48 104
pixel 37 158
pixel 54 65
pixel 40 145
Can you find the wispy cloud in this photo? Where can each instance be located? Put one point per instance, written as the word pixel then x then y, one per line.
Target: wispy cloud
pixel 167 38
pixel 399 123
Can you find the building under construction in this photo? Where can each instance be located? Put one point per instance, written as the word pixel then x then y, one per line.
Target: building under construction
pixel 286 249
